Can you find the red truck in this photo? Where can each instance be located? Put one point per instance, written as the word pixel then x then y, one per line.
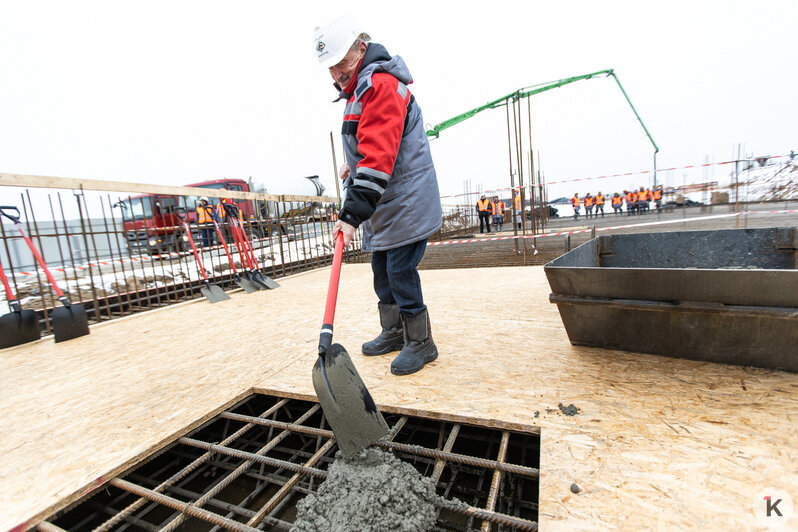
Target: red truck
pixel 151 227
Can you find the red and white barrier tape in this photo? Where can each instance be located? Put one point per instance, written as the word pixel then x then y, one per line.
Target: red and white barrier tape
pixel 615 227
pixel 142 258
pixel 641 172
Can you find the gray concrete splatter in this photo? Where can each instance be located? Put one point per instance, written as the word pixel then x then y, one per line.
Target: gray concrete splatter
pixel 569 410
pixel 372 491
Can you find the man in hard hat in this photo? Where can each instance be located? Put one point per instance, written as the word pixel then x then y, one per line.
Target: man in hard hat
pixel 205 217
pixel 391 188
pixel 483 211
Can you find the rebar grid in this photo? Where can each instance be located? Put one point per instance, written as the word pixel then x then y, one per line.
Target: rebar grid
pixel 247 468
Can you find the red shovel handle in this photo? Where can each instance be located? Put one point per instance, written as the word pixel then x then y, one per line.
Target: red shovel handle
pixel 325 340
pixel 40 260
pixel 9 293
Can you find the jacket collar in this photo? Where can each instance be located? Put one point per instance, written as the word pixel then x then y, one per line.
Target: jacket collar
pixel 374 53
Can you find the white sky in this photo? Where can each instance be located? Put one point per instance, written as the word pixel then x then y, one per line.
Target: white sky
pixel 174 92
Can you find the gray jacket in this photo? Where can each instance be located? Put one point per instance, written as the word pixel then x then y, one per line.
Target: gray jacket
pixel 401 207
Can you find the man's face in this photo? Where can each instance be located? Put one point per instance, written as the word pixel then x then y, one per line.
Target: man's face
pixel 343 72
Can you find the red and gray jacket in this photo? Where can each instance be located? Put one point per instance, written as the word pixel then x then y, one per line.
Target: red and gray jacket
pixel 392 189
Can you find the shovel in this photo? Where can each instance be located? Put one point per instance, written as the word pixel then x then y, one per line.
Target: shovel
pixel 212 292
pixel 242 242
pixel 69 321
pixel 18 326
pixel 263 280
pixel 246 261
pixel 347 404
pixel 244 283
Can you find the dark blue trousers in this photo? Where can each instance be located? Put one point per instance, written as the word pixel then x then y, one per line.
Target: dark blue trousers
pixel 396 278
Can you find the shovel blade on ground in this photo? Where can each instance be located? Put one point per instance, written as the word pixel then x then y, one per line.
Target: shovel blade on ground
pixel 267 281
pixel 18 328
pixel 70 322
pixel 346 402
pixel 246 284
pixel 213 293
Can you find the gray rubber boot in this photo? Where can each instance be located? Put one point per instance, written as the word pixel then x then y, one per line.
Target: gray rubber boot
pixel 419 347
pixel 392 336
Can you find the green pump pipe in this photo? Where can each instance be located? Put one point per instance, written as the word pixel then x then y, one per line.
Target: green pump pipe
pixel 537 89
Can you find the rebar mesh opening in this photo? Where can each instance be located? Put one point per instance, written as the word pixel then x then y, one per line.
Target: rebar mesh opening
pixel 247 468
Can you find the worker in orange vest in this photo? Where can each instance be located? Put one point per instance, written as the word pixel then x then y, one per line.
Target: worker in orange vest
pixel 631 202
pixel 589 202
pixel 206 214
pixel 483 210
pixel 642 201
pixel 575 203
pixel 617 203
pixel 600 204
pixel 497 210
pixel 658 197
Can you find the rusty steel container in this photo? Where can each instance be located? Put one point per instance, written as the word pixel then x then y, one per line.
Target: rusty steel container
pixel 728 296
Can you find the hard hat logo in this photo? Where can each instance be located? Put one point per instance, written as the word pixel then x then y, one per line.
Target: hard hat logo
pixel 320 46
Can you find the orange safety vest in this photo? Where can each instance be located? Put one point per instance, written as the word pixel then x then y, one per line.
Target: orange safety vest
pixel 631 197
pixel 589 200
pixel 517 201
pixel 658 194
pixel 599 199
pixel 483 206
pixel 649 194
pixel 641 196
pixel 617 200
pixel 497 209
pixel 575 201
pixel 220 209
pixel 204 214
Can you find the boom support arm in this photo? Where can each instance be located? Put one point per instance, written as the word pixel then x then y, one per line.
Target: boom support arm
pixel 526 92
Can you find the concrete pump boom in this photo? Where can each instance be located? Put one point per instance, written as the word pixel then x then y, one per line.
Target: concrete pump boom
pixel 526 92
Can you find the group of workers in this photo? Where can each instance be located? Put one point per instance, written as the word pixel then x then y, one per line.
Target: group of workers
pixel 494 210
pixel 638 202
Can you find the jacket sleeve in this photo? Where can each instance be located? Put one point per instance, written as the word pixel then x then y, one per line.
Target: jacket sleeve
pixel 379 134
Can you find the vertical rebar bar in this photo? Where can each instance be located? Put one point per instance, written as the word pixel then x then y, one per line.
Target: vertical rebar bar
pixel 97 260
pixel 95 303
pixel 45 305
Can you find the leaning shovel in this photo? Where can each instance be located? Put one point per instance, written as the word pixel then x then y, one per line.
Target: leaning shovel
pixel 347 404
pixel 18 326
pixel 245 284
pixel 212 292
pixel 69 321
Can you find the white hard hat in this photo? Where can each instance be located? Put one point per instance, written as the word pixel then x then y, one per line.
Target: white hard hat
pixel 334 40
pixel 204 198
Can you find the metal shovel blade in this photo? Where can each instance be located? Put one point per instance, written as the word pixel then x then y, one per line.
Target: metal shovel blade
pixel 18 328
pixel 267 281
pixel 246 284
pixel 70 322
pixel 213 293
pixel 347 404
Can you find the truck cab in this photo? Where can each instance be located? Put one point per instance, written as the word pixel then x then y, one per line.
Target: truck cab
pixel 150 224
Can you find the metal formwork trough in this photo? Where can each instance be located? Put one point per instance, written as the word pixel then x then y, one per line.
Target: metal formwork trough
pixel 728 296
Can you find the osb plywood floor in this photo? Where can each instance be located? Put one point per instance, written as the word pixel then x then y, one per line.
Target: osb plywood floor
pixel 657 443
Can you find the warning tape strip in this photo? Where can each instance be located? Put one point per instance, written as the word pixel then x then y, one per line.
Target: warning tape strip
pixel 142 258
pixel 615 227
pixel 641 172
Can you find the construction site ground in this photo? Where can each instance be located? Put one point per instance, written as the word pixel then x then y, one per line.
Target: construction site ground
pixel 657 442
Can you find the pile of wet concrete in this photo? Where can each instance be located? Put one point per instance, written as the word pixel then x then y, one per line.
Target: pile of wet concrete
pixel 372 491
